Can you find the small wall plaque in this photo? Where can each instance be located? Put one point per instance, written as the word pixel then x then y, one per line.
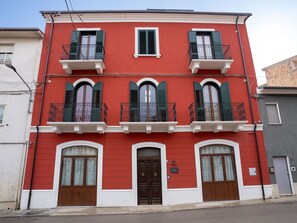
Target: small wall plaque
pixel 174 170
pixel 253 171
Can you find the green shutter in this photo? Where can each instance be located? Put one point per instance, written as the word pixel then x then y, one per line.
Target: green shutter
pixel 134 102
pixel 69 103
pixel 226 107
pixel 198 105
pixel 100 35
pixel 162 102
pixel 217 45
pixel 74 46
pixel 96 103
pixel 193 45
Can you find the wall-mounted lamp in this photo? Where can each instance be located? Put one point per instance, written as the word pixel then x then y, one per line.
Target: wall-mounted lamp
pixel 14 69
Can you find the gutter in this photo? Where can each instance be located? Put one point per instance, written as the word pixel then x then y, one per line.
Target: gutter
pixel 250 106
pixel 40 112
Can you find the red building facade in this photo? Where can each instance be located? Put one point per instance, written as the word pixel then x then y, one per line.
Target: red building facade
pixel 145 107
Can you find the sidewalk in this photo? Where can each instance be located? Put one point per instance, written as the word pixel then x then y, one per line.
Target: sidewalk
pixel 83 211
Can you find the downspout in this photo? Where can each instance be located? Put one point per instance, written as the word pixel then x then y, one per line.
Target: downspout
pixel 40 112
pixel 250 106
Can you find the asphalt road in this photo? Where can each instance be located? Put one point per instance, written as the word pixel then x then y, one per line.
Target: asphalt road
pixel 279 213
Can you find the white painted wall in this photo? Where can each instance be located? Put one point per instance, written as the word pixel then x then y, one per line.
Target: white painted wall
pixel 14 132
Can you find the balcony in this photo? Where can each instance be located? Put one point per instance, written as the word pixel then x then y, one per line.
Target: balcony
pixel 83 57
pixel 217 117
pixel 148 117
pixel 77 118
pixel 210 57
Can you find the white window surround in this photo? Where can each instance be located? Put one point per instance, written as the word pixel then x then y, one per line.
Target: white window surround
pixel 91 82
pixel 57 171
pixel 204 81
pixel 2 106
pixel 147 79
pixel 278 113
pixel 156 29
pixel 202 30
pixel 88 29
pixel 235 146
pixel 162 148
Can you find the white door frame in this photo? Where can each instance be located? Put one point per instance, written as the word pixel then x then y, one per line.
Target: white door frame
pixel 235 147
pixel 162 148
pixel 57 171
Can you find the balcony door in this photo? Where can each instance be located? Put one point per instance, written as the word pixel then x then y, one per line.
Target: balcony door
pixel 204 46
pixel 211 102
pixel 83 105
pixel 148 108
pixel 88 45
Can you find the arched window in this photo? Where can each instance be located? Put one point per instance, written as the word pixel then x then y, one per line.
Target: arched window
pixel 148 109
pixel 83 102
pixel 212 102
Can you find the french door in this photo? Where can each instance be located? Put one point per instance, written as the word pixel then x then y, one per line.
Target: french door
pixel 219 181
pixel 78 177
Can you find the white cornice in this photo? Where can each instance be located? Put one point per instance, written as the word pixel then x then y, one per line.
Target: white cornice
pixel 146 17
pixel 119 129
pixel 277 91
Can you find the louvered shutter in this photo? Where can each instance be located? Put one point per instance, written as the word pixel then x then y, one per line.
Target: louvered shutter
pixel 96 103
pixel 193 45
pixel 199 105
pixel 134 102
pixel 226 107
pixel 217 45
pixel 162 102
pixel 74 46
pixel 100 35
pixel 69 103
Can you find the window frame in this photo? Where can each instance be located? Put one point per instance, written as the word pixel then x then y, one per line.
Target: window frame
pixel 157 43
pixel 4 109
pixel 278 113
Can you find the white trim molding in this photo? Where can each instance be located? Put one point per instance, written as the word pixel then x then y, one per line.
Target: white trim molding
pixel 278 113
pixel 88 29
pixel 147 79
pixel 162 148
pixel 157 46
pixel 91 82
pixel 202 30
pixel 204 81
pixel 235 147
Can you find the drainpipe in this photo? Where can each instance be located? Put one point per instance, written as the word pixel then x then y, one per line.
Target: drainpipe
pixel 40 112
pixel 250 106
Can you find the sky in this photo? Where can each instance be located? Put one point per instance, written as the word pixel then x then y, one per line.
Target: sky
pixel 272 28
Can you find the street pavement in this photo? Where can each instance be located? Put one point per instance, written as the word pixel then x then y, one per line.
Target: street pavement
pixel 283 209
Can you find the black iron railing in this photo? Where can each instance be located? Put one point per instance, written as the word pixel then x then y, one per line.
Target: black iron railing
pixel 78 112
pixel 83 52
pixel 204 51
pixel 148 112
pixel 217 112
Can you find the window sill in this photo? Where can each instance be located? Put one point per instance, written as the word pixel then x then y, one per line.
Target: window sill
pixel 147 55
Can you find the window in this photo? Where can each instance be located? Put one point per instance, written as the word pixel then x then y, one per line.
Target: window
pixel 6 53
pixel 212 102
pixel 87 45
pixel 2 110
pixel 83 102
pixel 273 113
pixel 205 45
pixel 147 42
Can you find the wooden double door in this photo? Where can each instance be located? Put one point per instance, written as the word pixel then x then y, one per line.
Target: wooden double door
pixel 219 181
pixel 78 177
pixel 149 176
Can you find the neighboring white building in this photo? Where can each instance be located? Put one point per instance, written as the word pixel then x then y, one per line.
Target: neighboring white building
pixel 20 47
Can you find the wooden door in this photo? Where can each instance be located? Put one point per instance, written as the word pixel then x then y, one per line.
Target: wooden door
pixel 219 181
pixel 78 178
pixel 149 176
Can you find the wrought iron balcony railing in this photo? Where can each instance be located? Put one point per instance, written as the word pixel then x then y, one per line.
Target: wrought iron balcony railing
pixel 83 52
pixel 78 112
pixel 148 112
pixel 206 51
pixel 217 112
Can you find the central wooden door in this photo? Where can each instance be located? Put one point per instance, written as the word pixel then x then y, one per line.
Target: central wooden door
pixel 78 178
pixel 149 176
pixel 219 181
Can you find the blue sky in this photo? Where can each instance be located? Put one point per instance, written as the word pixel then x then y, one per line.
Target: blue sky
pixel 272 28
